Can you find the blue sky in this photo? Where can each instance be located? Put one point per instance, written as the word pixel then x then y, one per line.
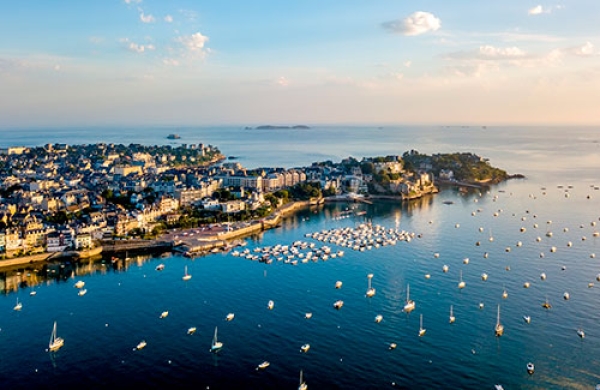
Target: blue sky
pixel 182 62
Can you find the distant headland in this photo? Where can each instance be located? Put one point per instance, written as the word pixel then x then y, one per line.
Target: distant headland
pixel 272 127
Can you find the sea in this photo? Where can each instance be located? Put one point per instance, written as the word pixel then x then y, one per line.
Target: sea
pixel 547 223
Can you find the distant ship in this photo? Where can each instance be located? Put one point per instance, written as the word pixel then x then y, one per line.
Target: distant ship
pixel 173 136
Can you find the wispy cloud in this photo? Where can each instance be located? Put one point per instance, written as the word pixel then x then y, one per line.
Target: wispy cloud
pixel 132 1
pixel 136 47
pixel 282 81
pixel 146 18
pixel 96 40
pixel 585 50
pixel 170 62
pixel 539 9
pixel 415 24
pixel 168 19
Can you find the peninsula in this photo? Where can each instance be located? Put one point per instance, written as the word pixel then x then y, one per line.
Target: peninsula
pixel 77 200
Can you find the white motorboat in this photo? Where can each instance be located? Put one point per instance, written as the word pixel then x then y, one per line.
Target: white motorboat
pixel 445 268
pixel 392 346
pixel 566 296
pixel 160 267
pixel 338 284
pixel 271 305
pixel 191 330
pixel 230 317
pixel 164 314
pixel 338 304
pixel 141 345
pixel 55 342
pixel 530 368
pixel 80 284
pixel 263 365
pixel 484 276
pixel 580 333
pixel 82 292
pixel 378 318
pixel 308 315
pixel 527 319
pixel 304 348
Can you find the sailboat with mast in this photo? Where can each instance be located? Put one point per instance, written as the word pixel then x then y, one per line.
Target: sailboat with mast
pixel 302 385
pixel 452 318
pixel 186 276
pixel 499 329
pixel 55 342
pixel 421 329
pixel 216 345
pixel 370 290
pixel 461 284
pixel 410 304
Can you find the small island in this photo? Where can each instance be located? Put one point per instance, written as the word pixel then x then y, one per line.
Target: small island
pixel 173 136
pixel 272 127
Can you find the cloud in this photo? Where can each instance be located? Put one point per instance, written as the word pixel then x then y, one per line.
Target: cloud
pixel 416 24
pixel 96 40
pixel 132 1
pixel 168 19
pixel 170 61
pixel 135 47
pixel 194 43
pixel 583 51
pixel 408 63
pixel 497 52
pixel 538 9
pixel 283 82
pixel 146 18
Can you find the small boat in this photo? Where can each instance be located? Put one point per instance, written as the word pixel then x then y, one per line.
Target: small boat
pixel 580 333
pixel 530 368
pixel 271 305
pixel 421 329
pixel 452 318
pixel 18 306
pixel 427 276
pixel 263 365
pixel 55 342
pixel 304 348
pixel 566 296
pixel 338 304
pixel 527 319
pixel 498 387
pixel 484 276
pixel 410 304
pixel 392 346
pixel 216 345
pixel 80 284
pixel 370 290
pixel 164 314
pixel 338 284
pixel 445 268
pixel 308 315
pixel 499 329
pixel 230 316
pixel 140 345
pixel 378 318
pixel 480 305
pixel 191 330
pixel 526 285
pixel 543 276
pixel 32 292
pixel 302 385
pixel 186 276
pixel 82 292
pixel 504 294
pixel 173 136
pixel 546 304
pixel 160 267
pixel 461 284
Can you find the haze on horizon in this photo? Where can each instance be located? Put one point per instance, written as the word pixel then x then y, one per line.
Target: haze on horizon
pixel 182 62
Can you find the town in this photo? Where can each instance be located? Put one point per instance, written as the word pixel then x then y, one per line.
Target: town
pixel 59 198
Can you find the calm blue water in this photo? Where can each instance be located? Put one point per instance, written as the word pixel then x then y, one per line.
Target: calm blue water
pixel 348 349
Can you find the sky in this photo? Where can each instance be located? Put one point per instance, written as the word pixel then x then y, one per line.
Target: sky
pixel 313 62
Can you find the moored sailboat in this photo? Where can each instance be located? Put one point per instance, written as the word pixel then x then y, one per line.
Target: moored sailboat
pixel 216 345
pixel 56 342
pixel 499 329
